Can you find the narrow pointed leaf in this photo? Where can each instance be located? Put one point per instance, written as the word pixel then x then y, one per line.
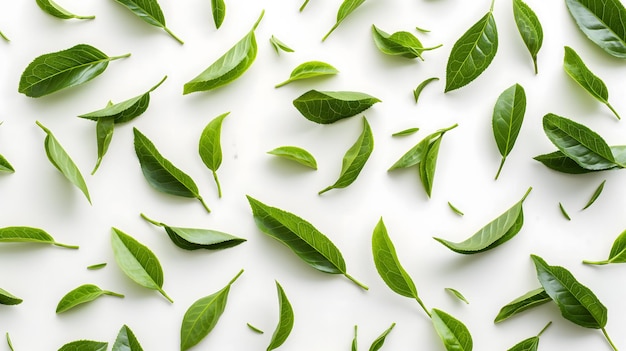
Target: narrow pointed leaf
pixel 529 28
pixel 137 261
pixel 210 147
pixel 453 333
pixel 617 254
pixel 160 173
pixel 559 162
pixel 97 266
pixel 355 342
pixel 406 132
pixel 150 12
pixel 530 344
pixel 508 115
pixel 527 301
pixel 455 210
pixel 279 45
pixel 327 107
pixel 104 134
pixel 295 153
pixel 6 298
pixel 85 345
pixel 285 321
pixel 355 158
pixel 310 69
pixel 3 36
pixel 346 8
pixel 202 316
pixel 228 67
pixel 602 21
pixel 63 69
pixel 29 235
pixel 218 8
pixel 497 232
pixel 418 90
pixel 10 344
pixel 380 341
pixel 418 152
pixel 457 294
pixel 564 212
pixel 428 165
pixel 595 195
pixel 5 166
pixel 301 237
pixel 82 294
pixel 400 43
pixel 126 341
pixel 54 9
pixel 255 329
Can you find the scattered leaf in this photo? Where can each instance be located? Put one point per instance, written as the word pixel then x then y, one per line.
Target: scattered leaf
pixel 565 214
pixel 82 294
pixel 210 147
pixel 529 300
pixel 406 132
pixel 279 45
pixel 529 28
pixel 508 115
pixel 346 8
pixel 126 341
pixel 85 345
pixel 150 12
pixel 52 8
pixel 96 266
pixel 457 294
pixel 29 235
pixel 453 333
pixel 602 22
pixel 254 329
pixel 327 107
pixel 218 8
pixel 295 153
pixel 617 254
pixel 6 298
pixel 310 69
pixel 530 344
pixel 378 343
pixel 455 210
pixel 285 321
pixel 418 91
pixel 595 195
pixel 400 43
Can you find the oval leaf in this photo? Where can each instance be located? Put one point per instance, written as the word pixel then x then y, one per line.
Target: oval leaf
pixel 285 321
pixel 508 115
pixel 279 45
pixel 327 107
pixel 52 8
pixel 529 300
pixel 210 147
pixel 29 235
pixel 150 12
pixel 346 8
pixel 454 334
pixel 126 341
pixel 418 90
pixel 63 69
pixel 529 28
pixel 82 294
pixel 617 254
pixel 602 22
pixel 6 298
pixel 295 153
pixel 401 43
pixel 380 341
pixel 218 8
pixel 308 70
pixel 85 345
pixel 561 163
pixel 355 158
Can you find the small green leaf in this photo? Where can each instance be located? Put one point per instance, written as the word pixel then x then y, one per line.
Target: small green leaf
pixel 355 158
pixel 428 165
pixel 218 8
pixel 529 300
pixel 602 22
pixel 104 134
pixel 29 235
pixel 82 294
pixel 565 214
pixel 210 147
pixel 52 8
pixel 406 132
pixel 417 153
pixel 96 266
pixel 530 344
pixel 254 329
pixel 455 210
pixel 3 36
pixel 150 12
pixel 310 69
pixel 529 28
pixel 595 195
pixel 285 321
pixel 378 343
pixel 202 316
pixel 279 45
pixel 457 294
pixel 9 342
pixel 5 166
pixel 126 341
pixel 617 254
pixel 453 333
pixel 85 345
pixel 346 8
pixel 508 115
pixel 418 91
pixel 400 43
pixel 304 5
pixel 327 107
pixel 295 153
pixel 6 298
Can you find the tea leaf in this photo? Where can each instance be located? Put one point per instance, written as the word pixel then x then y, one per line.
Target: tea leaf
pixel 428 165
pixel 210 147
pixel 529 300
pixel 63 69
pixel 52 8
pixel 406 132
pixel 457 294
pixel 126 341
pixel 354 339
pixel 3 36
pixel 9 342
pixel 218 8
pixel 202 316
pixel 310 69
pixel 5 166
pixel 254 329
pixel 285 322
pixel 400 43
pixel 29 235
pixel 97 266
pixel 150 12
pixel 82 294
pixel 418 91
pixel 229 66
pixel 355 158
pixel 529 28
pixel 453 333
pixel 417 153
pixel 6 298
pixel 161 174
pixel 508 115
pixel 297 154
pixel 104 134
pixel 617 254
pixel 346 8
pixel 194 239
pixel 455 210
pixel 595 195
pixel 378 343
pixel 602 22
pixel 279 45
pixel 301 237
pixel 530 344
pixel 559 162
pixel 137 262
pixel 472 53
pixel 327 107
pixel 85 345
pixel 497 232
pixel 304 5
pixel 565 214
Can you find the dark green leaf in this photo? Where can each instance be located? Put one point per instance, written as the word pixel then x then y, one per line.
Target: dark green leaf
pixel 9 342
pixel 52 8
pixel 530 344
pixel 137 262
pixel 28 235
pixel 150 12
pixel 202 316
pixel 497 232
pixel 406 132
pixel 455 210
pixel 529 28
pixel 346 8
pixel 254 329
pixel 104 134
pixel 218 8
pixel 595 195
pixel 559 162
pixel 378 343
pixel 472 53
pixel 63 69
pixel 5 166
pixel 194 239
pixel 508 115
pixel 285 321
pixel 126 341
pixel 297 154
pixel 417 153
pixel 400 43
pixel 617 254
pixel 310 69
pixel 602 21
pixel 6 298
pixel 457 294
pixel 327 107
pixel 428 165
pixel 96 266
pixel 279 45
pixel 355 158
pixel 82 294
pixel 454 334
pixel 529 300
pixel 418 91
pixel 210 147
pixel 161 174
pixel 301 237
pixel 85 345
pixel 228 67
pixel 565 214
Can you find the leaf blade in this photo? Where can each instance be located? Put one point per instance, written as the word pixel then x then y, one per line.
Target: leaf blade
pixel 327 107
pixel 507 119
pixel 529 28
pixel 218 9
pixel 210 148
pixel 529 300
pixel 150 12
pixel 296 154
pixel 126 341
pixel 54 9
pixel 453 333
pixel 309 69
pixel 6 298
pixel 602 22
pixel 81 295
pixel 346 8
pixel 285 321
pixel 418 90
pixel 595 195
pixel 378 343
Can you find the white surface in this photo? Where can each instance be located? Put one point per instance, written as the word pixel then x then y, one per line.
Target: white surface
pixel 326 307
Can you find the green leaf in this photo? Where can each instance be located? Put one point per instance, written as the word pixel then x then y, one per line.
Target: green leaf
pixel 6 298
pixel 508 115
pixel 529 28
pixel 380 341
pixel 530 344
pixel 346 8
pixel 52 8
pixel 454 334
pixel 218 8
pixel 137 261
pixel 565 214
pixel 96 266
pixel 472 53
pixel 5 166
pixel 279 45
pixel 229 66
pixel 202 316
pixel 406 132
pixel 161 174
pixel 63 162
pixel 254 329
pixel 529 300
pixel 150 12
pixel 3 36
pixel 457 294
pixel 417 153
pixel 559 162
pixel 304 5
pixel 126 341
pixel 428 165
pixel 327 107
pixel 617 254
pixel 595 195
pixel 355 343
pixel 295 153
pixel 285 322
pixel 310 69
pixel 194 239
pixel 602 21
pixel 400 43
pixel 85 345
pixel 9 342
pixel 63 69
pixel 210 147
pixel 418 91
pixel 29 235
pixel 355 158
pixel 104 134
pixel 82 294
pixel 497 232
pixel 455 210
pixel 301 237
pixel 576 68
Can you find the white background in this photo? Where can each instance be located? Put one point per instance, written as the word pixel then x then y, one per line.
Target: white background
pixel 262 118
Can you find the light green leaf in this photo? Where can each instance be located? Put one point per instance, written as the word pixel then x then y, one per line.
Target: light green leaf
pixel 29 235
pixel 218 8
pixel 96 266
pixel 565 214
pixel 295 153
pixel 530 344
pixel 254 329
pixel 310 69
pixel 406 132
pixel 285 321
pixel 428 166
pixel 9 342
pixel 5 166
pixel 602 21
pixel 455 210
pixel 529 300
pixel 104 134
pixel 52 8
pixel 457 294
pixel 3 36
pixel 82 294
pixel 418 91
pixel 417 153
pixel 453 333
pixel 279 45
pixel 529 28
pixel 126 341
pixel 595 195
pixel 355 343
pixel 85 345
pixel 327 107
pixel 508 115
pixel 378 343
pixel 150 12
pixel 617 254
pixel 346 8
pixel 210 147
pixel 400 43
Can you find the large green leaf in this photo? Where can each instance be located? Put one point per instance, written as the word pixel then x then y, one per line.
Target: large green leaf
pixel 285 320
pixel 529 300
pixel 82 294
pixel 150 12
pixel 603 22
pixel 52 8
pixel 453 333
pixel 210 147
pixel 508 115
pixel 327 107
pixel 126 341
pixel 529 28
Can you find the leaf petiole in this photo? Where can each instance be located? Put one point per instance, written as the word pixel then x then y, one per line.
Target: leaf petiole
pixel 204 204
pixel 235 278
pixel 111 293
pixel 75 247
pixel 597 263
pixel 544 328
pixel 165 295
pixel 173 35
pixel 613 110
pixel 119 57
pixel 606 335
pixel 423 307
pixel 217 182
pixel 157 85
pixel 363 286
pixel 158 224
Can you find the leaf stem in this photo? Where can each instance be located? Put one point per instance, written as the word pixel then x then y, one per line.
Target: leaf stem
pixel 449 128
pixel 500 168
pixel 75 247
pixel 204 204
pixel 606 335
pixel 236 277
pixel 527 192
pixel 84 17
pixel 217 182
pixel 158 224
pixel 113 58
pixel 165 295
pixel 535 64
pixel 111 293
pixel 330 31
pixel 492 3
pixel 173 35
pixel 423 30
pixel 304 5
pixel 157 85
pixel 423 307
pixel 613 110
pixel 256 24
pixel 325 190
pixel 432 47
pixel 95 168
pixel 363 286
pixel 283 83
pixel 598 263
pixel 544 328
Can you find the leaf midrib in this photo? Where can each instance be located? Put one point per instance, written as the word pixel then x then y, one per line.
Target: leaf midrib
pixel 203 311
pixel 106 60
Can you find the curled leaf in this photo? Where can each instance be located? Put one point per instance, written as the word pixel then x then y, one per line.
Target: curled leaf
pixel 218 8
pixel 508 115
pixel 6 298
pixel 126 341
pixel 418 90
pixel 279 45
pixel 617 254
pixel 400 43
pixel 529 300
pixel 210 147
pixel 85 345
pixel 346 8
